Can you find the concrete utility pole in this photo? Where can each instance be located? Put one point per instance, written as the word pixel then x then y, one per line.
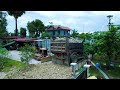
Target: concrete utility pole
pixel 109 24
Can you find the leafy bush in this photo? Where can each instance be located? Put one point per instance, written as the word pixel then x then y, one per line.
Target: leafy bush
pixel 27 53
pixel 3 55
pixel 45 34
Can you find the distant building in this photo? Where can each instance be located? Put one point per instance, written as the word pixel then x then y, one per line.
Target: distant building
pixel 58 31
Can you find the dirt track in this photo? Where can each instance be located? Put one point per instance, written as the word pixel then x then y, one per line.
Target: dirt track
pixel 47 70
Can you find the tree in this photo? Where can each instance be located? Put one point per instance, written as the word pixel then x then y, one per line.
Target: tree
pixel 45 34
pixel 82 36
pixel 107 44
pixel 74 33
pixel 16 14
pixel 3 54
pixel 88 45
pixel 23 32
pixel 35 28
pixel 3 24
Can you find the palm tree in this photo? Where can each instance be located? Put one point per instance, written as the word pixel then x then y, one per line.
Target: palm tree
pixel 16 14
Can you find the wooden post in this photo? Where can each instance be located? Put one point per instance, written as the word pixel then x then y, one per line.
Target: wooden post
pixel 67 50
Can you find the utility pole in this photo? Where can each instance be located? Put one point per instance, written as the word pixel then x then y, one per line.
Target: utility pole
pixel 83 28
pixel 109 24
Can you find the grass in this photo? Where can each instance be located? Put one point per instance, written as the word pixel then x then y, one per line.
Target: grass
pixel 94 72
pixel 9 63
pixel 113 73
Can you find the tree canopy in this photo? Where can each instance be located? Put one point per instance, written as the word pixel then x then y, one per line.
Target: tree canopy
pixel 23 32
pixel 35 28
pixel 74 33
pixel 16 14
pixel 104 44
pixel 3 24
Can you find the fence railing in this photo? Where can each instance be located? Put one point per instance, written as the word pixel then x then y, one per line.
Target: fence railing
pixel 105 76
pixel 82 74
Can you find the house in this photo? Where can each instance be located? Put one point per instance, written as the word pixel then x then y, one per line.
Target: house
pixel 58 31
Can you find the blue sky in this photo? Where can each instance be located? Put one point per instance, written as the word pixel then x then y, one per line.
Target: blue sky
pixel 82 21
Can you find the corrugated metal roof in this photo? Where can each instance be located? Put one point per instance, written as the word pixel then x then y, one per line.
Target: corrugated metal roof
pixel 58 27
pixel 24 39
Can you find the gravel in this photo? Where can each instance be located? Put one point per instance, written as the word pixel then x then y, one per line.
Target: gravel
pixel 47 70
pixel 2 75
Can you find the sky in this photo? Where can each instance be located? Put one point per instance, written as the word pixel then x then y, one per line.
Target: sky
pixel 82 21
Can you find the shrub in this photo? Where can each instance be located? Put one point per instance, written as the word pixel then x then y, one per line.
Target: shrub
pixel 27 53
pixel 3 55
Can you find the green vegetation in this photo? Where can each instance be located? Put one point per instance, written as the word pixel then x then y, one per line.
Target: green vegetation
pixel 112 73
pixel 3 55
pixel 9 64
pixel 74 33
pixel 6 64
pixel 35 28
pixel 27 53
pixel 23 32
pixel 44 35
pixel 105 49
pixel 3 24
pixel 104 45
pixel 94 72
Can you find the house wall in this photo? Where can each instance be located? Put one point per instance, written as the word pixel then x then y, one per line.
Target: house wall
pixel 62 33
pixel 46 43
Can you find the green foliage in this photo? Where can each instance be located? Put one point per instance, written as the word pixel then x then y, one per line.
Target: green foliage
pixel 9 63
pixel 16 14
pixel 88 49
pixel 3 55
pixel 11 34
pixel 3 24
pixel 27 53
pixel 23 32
pixel 82 36
pixel 107 44
pixel 87 36
pixel 44 35
pixel 74 34
pixel 35 28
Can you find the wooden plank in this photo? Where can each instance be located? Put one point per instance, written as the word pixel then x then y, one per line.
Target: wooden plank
pixel 45 59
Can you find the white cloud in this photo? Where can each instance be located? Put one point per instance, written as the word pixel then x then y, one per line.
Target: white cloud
pixel 91 20
pixel 46 13
pixel 104 13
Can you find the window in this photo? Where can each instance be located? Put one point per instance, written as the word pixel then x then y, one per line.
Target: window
pixel 58 32
pixel 53 33
pixel 64 32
